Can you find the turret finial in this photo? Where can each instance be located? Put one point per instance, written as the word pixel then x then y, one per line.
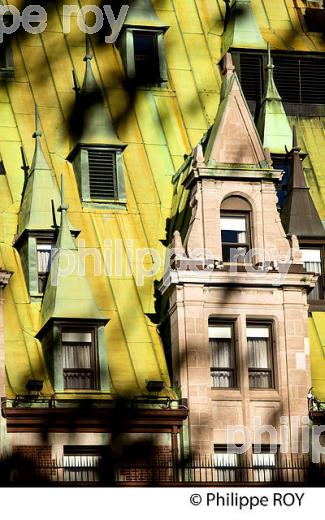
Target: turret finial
pixel 63 205
pixel 38 132
pixel 88 55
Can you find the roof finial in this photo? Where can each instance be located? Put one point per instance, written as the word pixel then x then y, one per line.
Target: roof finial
pixel 38 132
pixel 270 65
pixel 228 66
pixel 76 85
pixel 88 55
pixel 295 146
pixel 63 205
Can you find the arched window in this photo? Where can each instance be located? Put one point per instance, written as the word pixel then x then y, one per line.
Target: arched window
pixel 235 229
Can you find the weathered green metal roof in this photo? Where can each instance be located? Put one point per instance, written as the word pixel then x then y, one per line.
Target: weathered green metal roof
pixel 159 125
pixel 67 294
pixel 241 28
pixel 273 125
pixel 36 208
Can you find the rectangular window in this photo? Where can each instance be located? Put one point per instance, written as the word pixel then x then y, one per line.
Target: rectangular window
pixel 312 259
pixel 264 464
pixel 80 463
pixel 260 356
pixel 222 349
pixel 79 359
pixel 234 237
pixel 102 174
pixel 44 252
pixel 226 464
pixel 146 57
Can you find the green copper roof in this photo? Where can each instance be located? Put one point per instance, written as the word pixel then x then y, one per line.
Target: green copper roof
pixel 67 293
pixel 94 121
pixel 141 13
pixel 241 29
pixel 40 188
pixel 273 125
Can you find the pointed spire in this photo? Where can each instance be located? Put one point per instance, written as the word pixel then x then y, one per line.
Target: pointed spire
pixel 273 125
pixel 67 293
pixel 299 215
pixel 40 188
pixel 234 139
pixel 142 14
pixel 92 122
pixel 241 28
pixel 65 239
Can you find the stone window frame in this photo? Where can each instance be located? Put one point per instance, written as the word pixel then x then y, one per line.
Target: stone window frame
pixel 233 322
pixel 248 243
pixel 271 351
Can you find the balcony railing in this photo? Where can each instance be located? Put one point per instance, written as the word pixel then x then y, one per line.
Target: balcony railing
pixel 288 470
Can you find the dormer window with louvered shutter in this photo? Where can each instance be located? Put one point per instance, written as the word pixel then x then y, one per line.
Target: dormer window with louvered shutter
pixel 99 173
pixel 300 80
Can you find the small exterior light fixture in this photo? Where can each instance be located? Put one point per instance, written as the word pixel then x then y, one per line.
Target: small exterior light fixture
pixel 155 387
pixel 34 385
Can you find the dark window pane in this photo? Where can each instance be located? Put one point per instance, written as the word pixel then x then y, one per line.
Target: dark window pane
pixel 146 57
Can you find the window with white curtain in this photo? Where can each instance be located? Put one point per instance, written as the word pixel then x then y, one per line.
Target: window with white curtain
pixel 79 359
pixel 225 463
pixel 222 350
pixel 234 236
pixel 81 463
pixel 264 465
pixel 312 259
pixel 260 358
pixel 44 252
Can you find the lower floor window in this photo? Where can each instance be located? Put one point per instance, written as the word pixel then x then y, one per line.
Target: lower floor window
pixel 81 463
pixel 225 464
pixel 264 464
pixel 79 359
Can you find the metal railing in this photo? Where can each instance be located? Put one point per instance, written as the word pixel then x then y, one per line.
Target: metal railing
pixel 94 471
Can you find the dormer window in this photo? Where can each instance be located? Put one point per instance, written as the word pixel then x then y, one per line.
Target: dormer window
pixel 99 173
pixel 143 55
pixel 102 174
pixel 79 358
pixel 146 58
pixel 44 253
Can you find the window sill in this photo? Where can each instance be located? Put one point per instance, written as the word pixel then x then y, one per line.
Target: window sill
pixel 6 72
pixel 264 394
pixel 104 204
pixel 226 394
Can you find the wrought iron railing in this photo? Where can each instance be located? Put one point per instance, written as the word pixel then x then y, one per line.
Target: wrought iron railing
pixel 288 469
